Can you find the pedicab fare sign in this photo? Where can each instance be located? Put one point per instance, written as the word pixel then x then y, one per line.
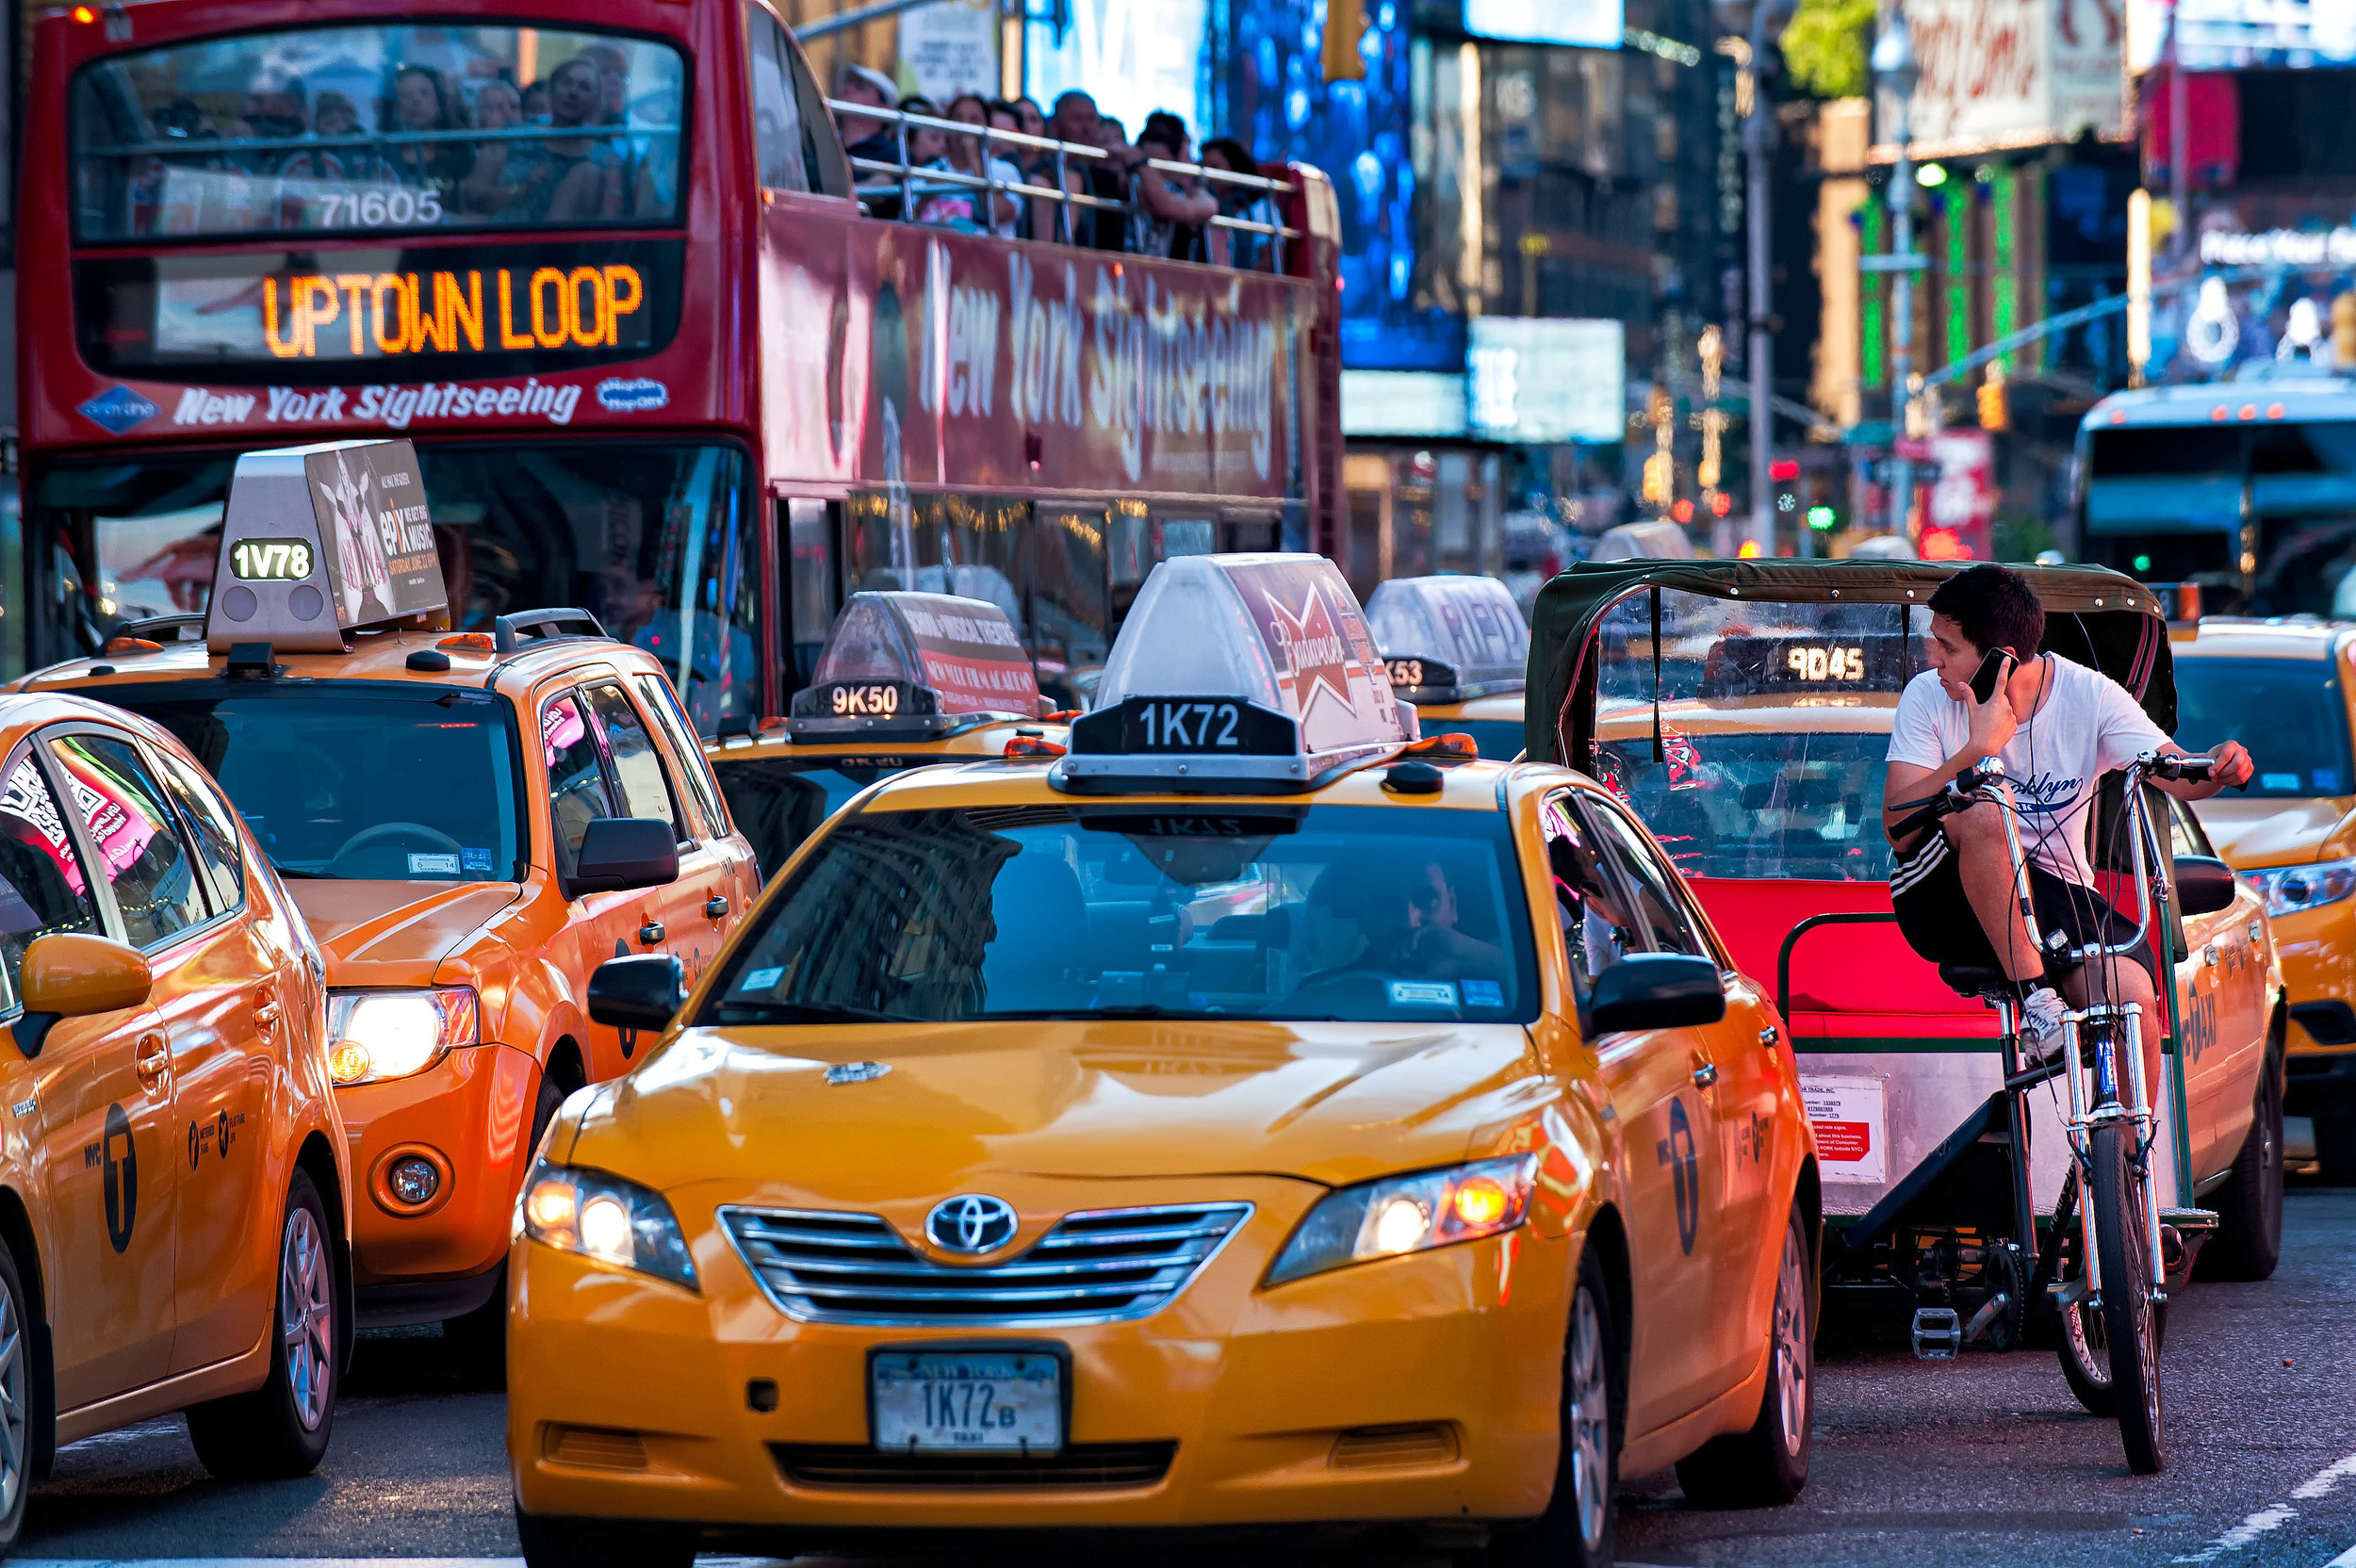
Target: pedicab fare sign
pixel 321 540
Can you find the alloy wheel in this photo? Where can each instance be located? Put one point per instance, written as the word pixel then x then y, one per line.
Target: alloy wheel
pixel 306 1315
pixel 1790 1347
pixel 13 1403
pixel 1588 1401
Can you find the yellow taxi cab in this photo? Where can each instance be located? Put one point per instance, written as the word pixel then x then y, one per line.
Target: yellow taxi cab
pixel 1244 1120
pixel 2282 689
pixel 471 823
pixel 1457 648
pixel 905 680
pixel 176 1230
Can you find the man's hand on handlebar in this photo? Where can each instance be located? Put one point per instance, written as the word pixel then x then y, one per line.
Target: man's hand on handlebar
pixel 2197 776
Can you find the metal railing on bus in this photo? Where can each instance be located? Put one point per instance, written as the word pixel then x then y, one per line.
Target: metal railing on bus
pixel 909 180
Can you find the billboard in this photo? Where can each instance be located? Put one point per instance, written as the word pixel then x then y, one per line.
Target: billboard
pixel 1542 380
pixel 2010 74
pixel 2230 34
pixel 1588 23
pixel 1403 402
pixel 2212 319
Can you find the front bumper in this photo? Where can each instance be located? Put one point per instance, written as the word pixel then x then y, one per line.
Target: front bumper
pixel 470 1113
pixel 2317 950
pixel 1420 1388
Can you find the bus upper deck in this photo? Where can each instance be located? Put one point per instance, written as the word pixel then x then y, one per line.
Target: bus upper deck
pixel 656 360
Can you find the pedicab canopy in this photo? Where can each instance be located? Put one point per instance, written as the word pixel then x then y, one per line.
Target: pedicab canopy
pixel 1251 673
pixel 915 666
pixel 1806 632
pixel 319 541
pixel 1449 638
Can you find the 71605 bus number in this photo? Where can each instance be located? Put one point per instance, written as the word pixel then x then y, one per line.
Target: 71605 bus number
pixel 375 210
pixel 271 560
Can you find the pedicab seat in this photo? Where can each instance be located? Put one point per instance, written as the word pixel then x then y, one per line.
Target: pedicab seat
pixel 1984 981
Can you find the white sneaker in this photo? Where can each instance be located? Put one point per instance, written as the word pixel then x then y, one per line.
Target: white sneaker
pixel 2041 1024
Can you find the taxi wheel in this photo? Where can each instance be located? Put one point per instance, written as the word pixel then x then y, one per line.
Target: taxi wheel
pixel 16 1402
pixel 1767 1466
pixel 2248 1242
pixel 602 1543
pixel 1581 1525
pixel 477 1341
pixel 281 1428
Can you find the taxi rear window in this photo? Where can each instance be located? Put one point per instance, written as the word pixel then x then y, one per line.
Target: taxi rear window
pixel 364 780
pixel 776 802
pixel 1283 912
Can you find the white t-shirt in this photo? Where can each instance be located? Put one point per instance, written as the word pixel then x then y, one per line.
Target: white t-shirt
pixel 2088 725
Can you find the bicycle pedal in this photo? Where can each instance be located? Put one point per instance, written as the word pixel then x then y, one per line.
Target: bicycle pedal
pixel 2190 1220
pixel 1937 1334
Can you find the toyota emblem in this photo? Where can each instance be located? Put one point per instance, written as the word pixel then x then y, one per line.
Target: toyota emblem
pixel 973 1223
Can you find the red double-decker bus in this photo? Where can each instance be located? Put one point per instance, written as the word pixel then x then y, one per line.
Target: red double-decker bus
pixel 606 265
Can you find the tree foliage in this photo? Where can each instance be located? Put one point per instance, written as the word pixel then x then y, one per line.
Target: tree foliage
pixel 1825 47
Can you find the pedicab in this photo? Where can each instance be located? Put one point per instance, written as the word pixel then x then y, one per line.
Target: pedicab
pixel 1743 709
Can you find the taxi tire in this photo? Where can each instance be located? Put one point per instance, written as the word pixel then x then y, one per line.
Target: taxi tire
pixel 1555 1538
pixel 602 1542
pixel 16 1328
pixel 2248 1242
pixel 1767 1466
pixel 257 1436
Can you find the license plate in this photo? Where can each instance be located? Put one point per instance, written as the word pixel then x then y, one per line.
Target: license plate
pixel 990 1402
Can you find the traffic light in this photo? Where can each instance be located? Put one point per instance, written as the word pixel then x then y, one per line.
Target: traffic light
pixel 2344 330
pixel 1995 412
pixel 1660 480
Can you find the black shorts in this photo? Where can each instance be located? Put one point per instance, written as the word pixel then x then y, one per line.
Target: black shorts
pixel 1936 918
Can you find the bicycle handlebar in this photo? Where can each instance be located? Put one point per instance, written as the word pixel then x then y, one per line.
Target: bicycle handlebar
pixel 2177 768
pixel 1954 796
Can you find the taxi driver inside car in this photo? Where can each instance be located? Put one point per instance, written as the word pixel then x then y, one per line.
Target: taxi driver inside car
pixel 905 680
pixel 1287 1120
pixel 463 822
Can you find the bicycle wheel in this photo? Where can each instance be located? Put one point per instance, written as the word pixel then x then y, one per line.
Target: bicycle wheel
pixel 2085 1351
pixel 2130 1328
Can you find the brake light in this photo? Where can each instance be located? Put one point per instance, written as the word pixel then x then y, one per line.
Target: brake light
pixel 84 15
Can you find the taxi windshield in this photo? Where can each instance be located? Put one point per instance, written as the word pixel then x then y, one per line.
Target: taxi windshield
pixel 1762 804
pixel 776 802
pixel 2288 712
pixel 356 781
pixel 1265 911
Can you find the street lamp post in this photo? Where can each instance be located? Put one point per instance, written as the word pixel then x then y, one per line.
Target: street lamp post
pixel 1894 68
pixel 1762 344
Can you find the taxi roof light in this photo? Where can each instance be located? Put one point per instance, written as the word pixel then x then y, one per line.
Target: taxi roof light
pixel 321 541
pixel 906 665
pixel 1450 637
pixel 1237 673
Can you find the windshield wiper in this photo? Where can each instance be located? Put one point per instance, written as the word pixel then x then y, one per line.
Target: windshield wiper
pixel 306 876
pixel 807 1012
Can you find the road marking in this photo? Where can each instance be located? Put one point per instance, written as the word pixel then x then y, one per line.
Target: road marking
pixel 2275 1515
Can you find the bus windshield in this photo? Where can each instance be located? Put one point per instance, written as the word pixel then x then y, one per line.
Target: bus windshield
pixel 651 537
pixel 376 129
pixel 360 780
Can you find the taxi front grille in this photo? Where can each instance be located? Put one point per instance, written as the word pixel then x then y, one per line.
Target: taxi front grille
pixel 1091 1266
pixel 1078 1464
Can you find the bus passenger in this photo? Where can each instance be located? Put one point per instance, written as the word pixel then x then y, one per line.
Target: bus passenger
pixel 565 178
pixel 1239 248
pixel 498 107
pixel 1166 210
pixel 965 155
pixel 423 101
pixel 535 104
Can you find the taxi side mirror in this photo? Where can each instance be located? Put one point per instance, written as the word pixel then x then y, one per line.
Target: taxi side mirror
pixel 639 992
pixel 2203 884
pixel 68 974
pixel 1656 990
pixel 618 853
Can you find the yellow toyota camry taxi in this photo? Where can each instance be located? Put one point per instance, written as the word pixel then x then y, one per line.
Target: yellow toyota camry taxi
pixel 2282 688
pixel 1245 1119
pixel 905 680
pixel 471 823
pixel 176 1227
pixel 1456 647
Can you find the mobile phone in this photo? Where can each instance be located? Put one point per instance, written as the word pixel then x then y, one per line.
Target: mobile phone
pixel 1994 666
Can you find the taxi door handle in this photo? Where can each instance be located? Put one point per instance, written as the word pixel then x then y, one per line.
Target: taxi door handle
pixel 265 1012
pixel 716 909
pixel 155 1061
pixel 1705 1074
pixel 1767 1035
pixel 651 933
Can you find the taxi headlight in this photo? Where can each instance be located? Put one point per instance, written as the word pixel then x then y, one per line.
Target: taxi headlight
pixel 2293 890
pixel 1409 1214
pixel 373 1036
pixel 605 1217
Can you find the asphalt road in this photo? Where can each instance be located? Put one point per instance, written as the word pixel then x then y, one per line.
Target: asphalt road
pixel 1986 1459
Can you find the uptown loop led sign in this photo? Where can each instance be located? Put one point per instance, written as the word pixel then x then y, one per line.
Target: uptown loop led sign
pixel 386 313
